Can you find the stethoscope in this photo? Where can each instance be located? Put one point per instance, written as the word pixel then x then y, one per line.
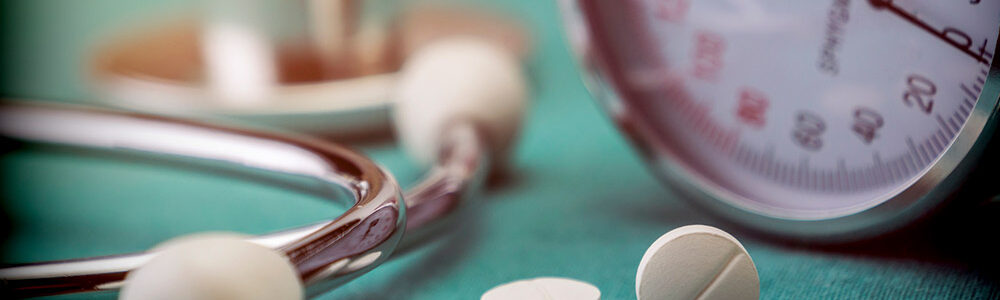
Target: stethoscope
pixel 779 127
pixel 458 104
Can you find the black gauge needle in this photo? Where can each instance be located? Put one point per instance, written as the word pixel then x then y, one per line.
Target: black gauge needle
pixel 964 45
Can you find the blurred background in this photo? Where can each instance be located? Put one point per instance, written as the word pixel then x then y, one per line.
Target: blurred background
pixel 575 200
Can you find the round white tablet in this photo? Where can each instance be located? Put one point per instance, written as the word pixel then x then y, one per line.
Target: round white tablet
pixel 213 266
pixel 696 262
pixel 544 288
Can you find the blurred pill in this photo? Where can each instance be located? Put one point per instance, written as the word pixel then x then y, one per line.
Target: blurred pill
pixel 544 288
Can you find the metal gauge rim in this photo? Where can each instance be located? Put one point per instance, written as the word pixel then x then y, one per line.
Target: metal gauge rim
pixel 912 200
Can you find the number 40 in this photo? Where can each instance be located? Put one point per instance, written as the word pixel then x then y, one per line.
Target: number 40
pixel 866 124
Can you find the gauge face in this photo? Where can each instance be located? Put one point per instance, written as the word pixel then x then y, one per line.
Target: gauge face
pixel 800 109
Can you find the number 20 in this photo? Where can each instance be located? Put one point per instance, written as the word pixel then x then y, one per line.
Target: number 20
pixel 919 90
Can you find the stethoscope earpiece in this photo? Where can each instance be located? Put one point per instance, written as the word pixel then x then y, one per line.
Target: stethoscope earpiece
pixel 209 266
pixel 459 79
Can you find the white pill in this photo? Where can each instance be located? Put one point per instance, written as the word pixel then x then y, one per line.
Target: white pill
pixel 696 262
pixel 213 266
pixel 544 288
pixel 459 79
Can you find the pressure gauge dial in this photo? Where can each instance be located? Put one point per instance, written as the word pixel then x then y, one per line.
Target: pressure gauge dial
pixel 834 119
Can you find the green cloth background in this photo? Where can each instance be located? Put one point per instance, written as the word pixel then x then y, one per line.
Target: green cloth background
pixel 577 201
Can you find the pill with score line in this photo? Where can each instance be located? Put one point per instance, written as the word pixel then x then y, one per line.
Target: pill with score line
pixel 696 262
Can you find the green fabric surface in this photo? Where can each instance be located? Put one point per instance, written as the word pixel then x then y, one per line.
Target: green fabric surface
pixel 575 202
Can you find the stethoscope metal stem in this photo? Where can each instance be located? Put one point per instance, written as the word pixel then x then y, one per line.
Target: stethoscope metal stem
pixel 326 255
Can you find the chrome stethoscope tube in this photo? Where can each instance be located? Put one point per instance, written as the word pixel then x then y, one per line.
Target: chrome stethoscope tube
pixel 325 255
